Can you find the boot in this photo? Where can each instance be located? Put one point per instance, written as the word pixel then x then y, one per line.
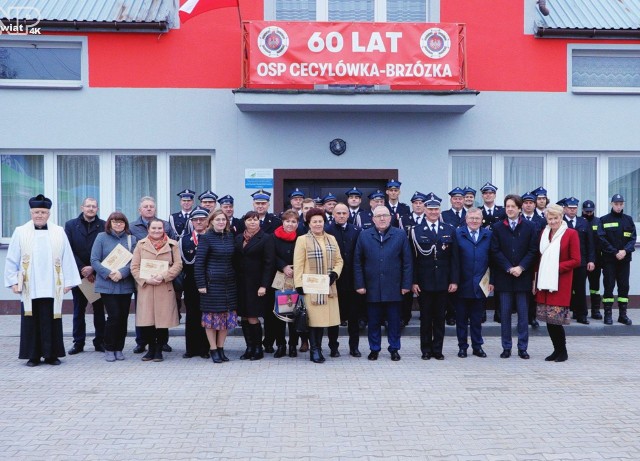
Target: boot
pixel 281 351
pixel 314 350
pixel 258 352
pixel 562 355
pixel 292 351
pixel 157 357
pixel 246 331
pixel 497 316
pixel 215 356
pixel 319 332
pixel 608 315
pixel 304 346
pixel 595 306
pixel 151 353
pixel 222 356
pixel 622 314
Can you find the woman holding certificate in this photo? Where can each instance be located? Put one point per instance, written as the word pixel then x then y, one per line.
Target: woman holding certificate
pixel 559 256
pixel 110 258
pixel 156 262
pixel 318 253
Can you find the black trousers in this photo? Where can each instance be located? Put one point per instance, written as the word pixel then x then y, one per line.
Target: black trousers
pixel 195 338
pixel 558 337
pixel 155 336
pixel 578 293
pixel 407 306
pixel 594 279
pixel 616 273
pixel 433 305
pixel 80 303
pixel 350 307
pixel 115 330
pixel 40 333
pixel 316 333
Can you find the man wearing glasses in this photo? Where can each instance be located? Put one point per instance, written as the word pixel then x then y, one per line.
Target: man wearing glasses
pixel 383 271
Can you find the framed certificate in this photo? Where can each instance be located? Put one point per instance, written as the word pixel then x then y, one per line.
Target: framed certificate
pixel 118 258
pixel 151 267
pixel 315 284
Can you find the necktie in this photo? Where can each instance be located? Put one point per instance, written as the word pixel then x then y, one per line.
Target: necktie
pixel 458 214
pixel 393 209
pixel 474 234
pixel 433 229
pixel 418 220
pixel 528 218
pixel 353 215
pixel 513 225
pixel 571 224
pixel 489 213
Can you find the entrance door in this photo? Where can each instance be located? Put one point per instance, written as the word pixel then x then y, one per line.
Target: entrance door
pixel 320 182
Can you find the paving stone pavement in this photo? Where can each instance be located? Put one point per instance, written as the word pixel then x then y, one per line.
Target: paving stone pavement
pixel 291 409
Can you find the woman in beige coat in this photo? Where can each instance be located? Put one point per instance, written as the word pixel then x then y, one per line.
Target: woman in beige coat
pixel 318 253
pixel 156 307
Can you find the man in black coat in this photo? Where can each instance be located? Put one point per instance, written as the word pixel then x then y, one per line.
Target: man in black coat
pixel 529 214
pixel 179 221
pixel 455 216
pixel 587 256
pixel 351 303
pixel 82 232
pixel 588 213
pixel 514 251
pixel 396 208
pixel 354 200
pixel 491 213
pixel 268 221
pixel 236 225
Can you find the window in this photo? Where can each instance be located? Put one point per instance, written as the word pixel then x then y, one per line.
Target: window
pixel 22 177
pixel 578 177
pixel 614 69
pixel 41 63
pixel 624 179
pixel 78 178
pixel 472 171
pixel 521 173
pixel 296 10
pixel 136 176
pixel 406 11
pixel 190 171
pixel 353 10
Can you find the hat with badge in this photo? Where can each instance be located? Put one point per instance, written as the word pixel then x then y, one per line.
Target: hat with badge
pixel 432 200
pixel 469 190
pixel 226 199
pixel 617 198
pixel 317 200
pixel 296 193
pixel 40 201
pixel 376 194
pixel 329 198
pixel 261 196
pixel 392 183
pixel 456 191
pixel 562 202
pixel 187 194
pixel 588 205
pixel 418 197
pixel 199 213
pixel 539 192
pixel 528 196
pixel 571 202
pixel 208 195
pixel 488 187
pixel 353 191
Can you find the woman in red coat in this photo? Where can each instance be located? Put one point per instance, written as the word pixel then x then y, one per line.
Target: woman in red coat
pixel 559 255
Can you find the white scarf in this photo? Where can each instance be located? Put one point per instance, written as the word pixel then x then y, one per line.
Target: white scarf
pixel 56 237
pixel 549 269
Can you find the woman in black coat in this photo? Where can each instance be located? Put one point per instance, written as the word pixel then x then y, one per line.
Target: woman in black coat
pixel 216 281
pixel 255 262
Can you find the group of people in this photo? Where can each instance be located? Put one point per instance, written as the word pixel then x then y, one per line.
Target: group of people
pixel 528 256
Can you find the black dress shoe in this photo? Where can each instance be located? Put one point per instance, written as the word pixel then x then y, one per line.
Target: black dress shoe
pixel 52 361
pixel 535 324
pixel 293 352
pixel 334 353
pixel 562 357
pixel 166 348
pixel 373 355
pixel 187 355
pixel 139 349
pixel 479 353
pixel 523 354
pixel 343 323
pixel 269 350
pixel 206 355
pixel 33 363
pixel 99 348
pixel 395 356
pixel 362 324
pixel 462 353
pixel 451 322
pixel 355 352
pixel 583 320
pixel 438 356
pixel 506 353
pixel 426 356
pixel 76 349
pixel 554 355
pixel 281 351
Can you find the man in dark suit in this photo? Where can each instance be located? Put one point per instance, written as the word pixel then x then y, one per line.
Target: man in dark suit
pixel 354 200
pixel 474 243
pixel 236 225
pixel 396 208
pixel 376 198
pixel 296 197
pixel 208 200
pixel 541 200
pixel 268 221
pixel 435 275
pixel 587 256
pixel 179 221
pixel 529 214
pixel 514 251
pixel 469 199
pixel 329 202
pixel 351 303
pixel 456 215
pixel 82 232
pixel 383 272
pixel 491 213
pixel 588 213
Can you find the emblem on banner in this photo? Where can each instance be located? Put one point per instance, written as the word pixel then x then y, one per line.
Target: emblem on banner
pixel 435 43
pixel 273 41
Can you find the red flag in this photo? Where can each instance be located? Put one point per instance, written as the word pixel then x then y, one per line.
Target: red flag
pixel 192 8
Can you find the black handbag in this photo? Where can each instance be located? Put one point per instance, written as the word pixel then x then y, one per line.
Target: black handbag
pixel 300 316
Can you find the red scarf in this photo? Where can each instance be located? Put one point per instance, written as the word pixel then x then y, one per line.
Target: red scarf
pixel 248 236
pixel 158 244
pixel 284 235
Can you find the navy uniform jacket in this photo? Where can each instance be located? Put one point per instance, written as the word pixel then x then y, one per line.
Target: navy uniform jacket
pixel 179 223
pixel 436 257
pixel 473 261
pixel 366 220
pixel 511 249
pixel 587 248
pixel 450 217
pixel 347 239
pixel 270 223
pixel 236 226
pixel 81 238
pixel 402 209
pixel 617 231
pixel 384 267
pixel 407 222
pixel 593 224
pixel 498 215
pixel 356 218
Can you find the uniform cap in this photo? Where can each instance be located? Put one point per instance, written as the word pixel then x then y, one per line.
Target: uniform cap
pixel 617 198
pixel 562 202
pixel 456 191
pixel 571 202
pixel 329 198
pixel 488 187
pixel 199 213
pixel 296 193
pixel 393 183
pixel 317 200
pixel 432 200
pixel 376 194
pixel 539 192
pixel 353 191
pixel 588 205
pixel 418 197
pixel 469 190
pixel 208 195
pixel 226 199
pixel 528 196
pixel 261 196
pixel 187 193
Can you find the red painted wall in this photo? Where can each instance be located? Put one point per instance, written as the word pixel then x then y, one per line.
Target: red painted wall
pixel 205 52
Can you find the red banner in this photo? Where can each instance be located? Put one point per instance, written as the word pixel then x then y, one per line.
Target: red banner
pixel 354 53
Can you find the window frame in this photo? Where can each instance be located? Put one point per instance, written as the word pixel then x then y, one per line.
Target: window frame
pixel 49 42
pixel 574 50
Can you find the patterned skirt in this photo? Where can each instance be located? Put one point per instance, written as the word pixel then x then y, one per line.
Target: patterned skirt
pixel 555 315
pixel 219 320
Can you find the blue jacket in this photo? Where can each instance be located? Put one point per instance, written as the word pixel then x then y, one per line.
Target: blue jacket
pixel 104 244
pixel 383 267
pixel 511 249
pixel 449 216
pixel 139 229
pixel 81 237
pixel 473 260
